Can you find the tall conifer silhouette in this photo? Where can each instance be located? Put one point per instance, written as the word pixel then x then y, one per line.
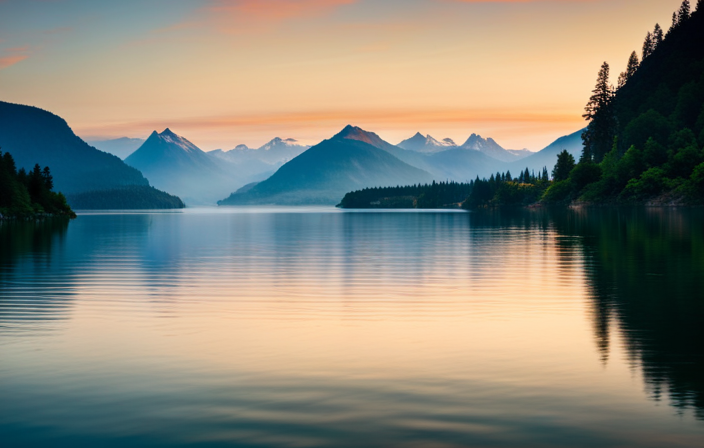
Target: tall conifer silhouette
pixel 599 136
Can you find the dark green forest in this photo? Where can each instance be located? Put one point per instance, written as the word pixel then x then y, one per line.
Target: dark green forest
pixel 131 197
pixel 29 194
pixel 428 196
pixel 645 137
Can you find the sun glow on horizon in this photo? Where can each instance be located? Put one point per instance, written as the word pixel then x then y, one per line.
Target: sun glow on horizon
pixel 225 72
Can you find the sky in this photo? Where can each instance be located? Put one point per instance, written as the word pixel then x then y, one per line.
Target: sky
pixel 229 72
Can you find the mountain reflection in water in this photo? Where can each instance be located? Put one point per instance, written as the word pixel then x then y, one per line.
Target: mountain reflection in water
pixel 271 327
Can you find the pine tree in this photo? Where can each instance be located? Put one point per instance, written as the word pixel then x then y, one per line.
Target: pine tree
pixel 48 178
pixel 657 36
pixel 648 45
pixel 599 136
pixel 684 13
pixel 526 176
pixel 631 70
pixel 546 176
pixel 565 165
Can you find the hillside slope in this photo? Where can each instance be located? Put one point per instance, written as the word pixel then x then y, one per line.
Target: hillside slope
pixel 324 173
pixel 177 166
pixel 33 135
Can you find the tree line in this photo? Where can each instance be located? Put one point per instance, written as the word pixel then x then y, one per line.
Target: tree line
pixel 428 196
pixel 28 194
pixel 128 197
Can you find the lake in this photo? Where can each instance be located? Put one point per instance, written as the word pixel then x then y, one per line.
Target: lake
pixel 316 327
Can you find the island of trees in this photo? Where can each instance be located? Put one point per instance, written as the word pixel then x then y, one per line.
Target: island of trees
pixel 29 194
pixel 644 142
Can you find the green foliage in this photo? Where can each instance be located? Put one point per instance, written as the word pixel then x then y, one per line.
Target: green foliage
pixel 698 179
pixel 654 154
pixel 650 183
pixel 513 193
pixel 559 191
pixel 563 168
pixel 26 195
pixel 584 174
pixel 659 124
pixel 503 190
pixel 650 124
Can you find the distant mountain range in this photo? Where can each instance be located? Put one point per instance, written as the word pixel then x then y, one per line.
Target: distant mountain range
pixel 355 159
pixel 33 135
pixel 121 147
pixel 179 167
pixel 548 156
pixel 259 164
pixel 493 149
pixel 280 172
pixel 323 174
pixel 428 145
pixel 277 152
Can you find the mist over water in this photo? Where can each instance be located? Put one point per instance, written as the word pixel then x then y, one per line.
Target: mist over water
pixel 272 327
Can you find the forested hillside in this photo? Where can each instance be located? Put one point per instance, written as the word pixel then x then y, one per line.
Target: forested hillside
pixel 645 136
pixel 130 197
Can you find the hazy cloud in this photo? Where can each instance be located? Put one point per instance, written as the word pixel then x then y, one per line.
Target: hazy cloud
pixel 240 15
pixel 11 56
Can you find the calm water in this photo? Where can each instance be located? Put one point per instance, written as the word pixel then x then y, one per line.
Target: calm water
pixel 316 327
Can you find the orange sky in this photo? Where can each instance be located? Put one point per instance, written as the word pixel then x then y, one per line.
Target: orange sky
pixel 225 72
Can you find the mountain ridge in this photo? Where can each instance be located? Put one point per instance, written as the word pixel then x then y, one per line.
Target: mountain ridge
pixel 325 172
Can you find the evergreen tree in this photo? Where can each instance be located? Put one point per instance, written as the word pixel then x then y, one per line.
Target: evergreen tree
pixel 631 70
pixel 48 179
pixel 674 22
pixel 565 165
pixel 684 12
pixel 648 45
pixel 526 176
pixel 545 177
pixel 657 35
pixel 508 173
pixel 599 135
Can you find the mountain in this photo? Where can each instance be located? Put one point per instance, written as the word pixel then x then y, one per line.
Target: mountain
pixel 323 174
pixel 33 135
pixel 277 152
pixel 493 149
pixel 260 163
pixel 179 167
pixel 463 165
pixel 121 147
pixel 426 144
pixel 520 153
pixel 456 164
pixel 547 157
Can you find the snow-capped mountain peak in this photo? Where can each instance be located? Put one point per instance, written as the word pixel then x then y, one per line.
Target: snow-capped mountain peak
pixel 168 136
pixel 426 144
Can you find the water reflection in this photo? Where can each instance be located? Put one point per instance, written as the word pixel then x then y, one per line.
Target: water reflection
pixel 646 276
pixel 323 328
pixel 27 257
